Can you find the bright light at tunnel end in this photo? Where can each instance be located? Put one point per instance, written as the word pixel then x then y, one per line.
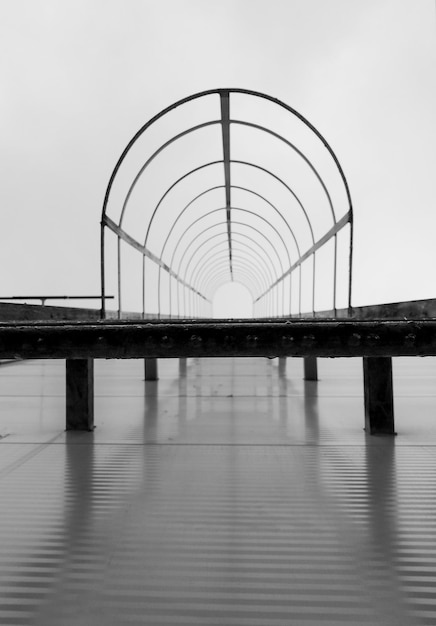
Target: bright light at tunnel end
pixel 232 300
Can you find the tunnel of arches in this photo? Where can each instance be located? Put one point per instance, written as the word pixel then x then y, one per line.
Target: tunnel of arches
pixel 227 196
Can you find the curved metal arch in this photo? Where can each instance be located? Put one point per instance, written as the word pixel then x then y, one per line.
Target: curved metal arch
pixel 210 239
pixel 266 275
pixel 213 237
pixel 196 169
pixel 210 264
pixel 233 222
pixel 155 154
pixel 195 270
pixel 234 282
pixel 243 189
pixel 220 263
pixel 221 280
pixel 240 267
pixel 301 154
pixel 239 224
pixel 222 93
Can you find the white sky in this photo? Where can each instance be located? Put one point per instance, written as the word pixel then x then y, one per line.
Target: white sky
pixel 79 77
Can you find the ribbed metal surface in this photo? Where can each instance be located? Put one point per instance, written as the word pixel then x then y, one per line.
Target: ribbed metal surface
pixel 232 496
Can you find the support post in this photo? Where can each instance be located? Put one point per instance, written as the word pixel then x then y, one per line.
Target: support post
pixel 183 363
pixel 310 368
pixel 378 393
pixel 79 394
pixel 282 365
pixel 150 369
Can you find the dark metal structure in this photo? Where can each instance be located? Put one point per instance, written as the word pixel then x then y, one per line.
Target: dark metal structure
pixel 203 238
pixel 199 234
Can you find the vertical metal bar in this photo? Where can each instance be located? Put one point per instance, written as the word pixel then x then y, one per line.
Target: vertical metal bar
pixel 119 277
pixel 170 296
pixel 79 375
pixel 378 395
pixel 143 286
pixel 225 126
pixel 178 298
pixel 335 273
pixel 299 292
pixel 158 291
pixel 102 272
pixel 310 368
pixel 313 285
pixel 350 266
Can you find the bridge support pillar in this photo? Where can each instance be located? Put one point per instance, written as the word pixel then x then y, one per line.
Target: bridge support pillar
pixel 79 394
pixel 378 393
pixel 310 368
pixel 282 365
pixel 150 369
pixel 183 364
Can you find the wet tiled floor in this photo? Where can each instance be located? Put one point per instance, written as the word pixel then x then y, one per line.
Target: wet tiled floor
pixel 235 495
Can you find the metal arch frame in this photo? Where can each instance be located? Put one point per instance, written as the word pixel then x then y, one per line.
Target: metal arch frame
pixel 165 145
pixel 242 265
pixel 241 224
pixel 222 279
pixel 239 162
pixel 195 270
pixel 221 187
pixel 185 275
pixel 261 277
pixel 224 95
pixel 214 188
pixel 216 211
pixel 220 224
pixel 236 223
pixel 252 260
pixel 203 193
pixel 208 267
pixel 221 264
pixel 214 237
pixel 264 271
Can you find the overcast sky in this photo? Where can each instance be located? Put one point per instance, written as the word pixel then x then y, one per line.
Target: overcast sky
pixel 79 77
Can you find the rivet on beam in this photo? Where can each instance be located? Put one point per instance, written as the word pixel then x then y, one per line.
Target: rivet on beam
pixel 252 340
pixel 355 339
pixel 166 341
pixel 410 339
pixel 196 340
pixel 287 340
pixel 308 341
pixel 373 339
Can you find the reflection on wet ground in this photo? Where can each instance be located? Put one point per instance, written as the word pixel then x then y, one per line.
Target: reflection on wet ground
pixel 234 494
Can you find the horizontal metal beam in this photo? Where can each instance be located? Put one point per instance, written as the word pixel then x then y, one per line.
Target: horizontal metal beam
pixel 182 338
pixel 331 233
pixel 144 251
pixel 56 297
